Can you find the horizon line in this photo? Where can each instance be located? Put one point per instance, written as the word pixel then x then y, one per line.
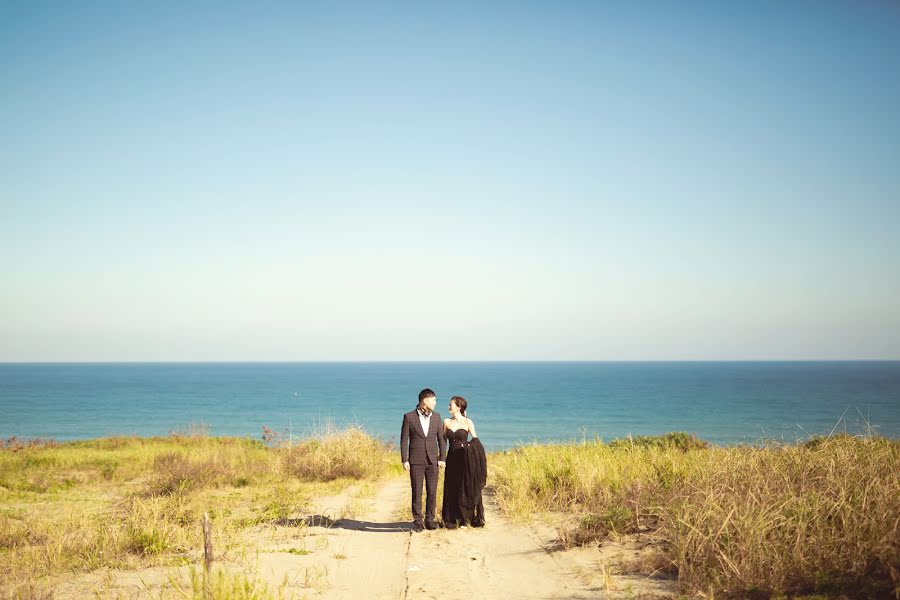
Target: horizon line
pixel 461 361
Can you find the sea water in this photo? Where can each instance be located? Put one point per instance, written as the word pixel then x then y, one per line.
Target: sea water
pixel 510 402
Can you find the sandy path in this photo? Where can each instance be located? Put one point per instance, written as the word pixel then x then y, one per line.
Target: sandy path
pixel 385 559
pixel 375 548
pixel 363 557
pixel 501 560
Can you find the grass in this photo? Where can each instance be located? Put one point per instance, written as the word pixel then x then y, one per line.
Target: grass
pixel 219 584
pixel 129 502
pixel 817 517
pixel 821 517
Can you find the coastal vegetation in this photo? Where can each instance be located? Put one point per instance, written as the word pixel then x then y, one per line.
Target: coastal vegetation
pixel 763 521
pixel 131 502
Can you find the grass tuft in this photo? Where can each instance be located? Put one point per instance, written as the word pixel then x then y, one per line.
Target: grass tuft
pixel 26 591
pixel 224 585
pixel 350 453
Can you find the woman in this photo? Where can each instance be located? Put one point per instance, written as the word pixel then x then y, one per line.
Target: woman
pixel 466 471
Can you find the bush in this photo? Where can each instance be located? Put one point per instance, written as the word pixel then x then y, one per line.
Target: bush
pixel 153 525
pixel 177 473
pixel 677 440
pixel 348 453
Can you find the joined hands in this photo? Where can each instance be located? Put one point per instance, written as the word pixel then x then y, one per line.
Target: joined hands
pixel 441 465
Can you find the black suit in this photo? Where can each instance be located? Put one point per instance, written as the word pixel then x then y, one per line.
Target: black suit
pixel 422 452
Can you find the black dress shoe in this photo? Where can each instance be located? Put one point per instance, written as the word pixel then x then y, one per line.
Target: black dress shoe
pixel 431 525
pixel 417 526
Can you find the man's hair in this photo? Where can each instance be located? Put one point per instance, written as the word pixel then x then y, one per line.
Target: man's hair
pixel 426 393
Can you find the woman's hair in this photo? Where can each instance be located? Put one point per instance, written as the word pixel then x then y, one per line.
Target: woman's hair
pixel 461 403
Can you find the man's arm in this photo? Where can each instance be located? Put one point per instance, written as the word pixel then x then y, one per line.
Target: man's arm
pixel 404 442
pixel 441 444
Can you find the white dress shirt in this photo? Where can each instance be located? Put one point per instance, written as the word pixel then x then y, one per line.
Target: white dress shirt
pixel 425 421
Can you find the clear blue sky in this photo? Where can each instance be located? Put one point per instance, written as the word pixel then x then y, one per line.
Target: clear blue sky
pixel 449 181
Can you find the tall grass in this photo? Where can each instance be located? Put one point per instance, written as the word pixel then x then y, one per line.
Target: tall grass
pixel 817 517
pixel 333 454
pixel 223 585
pixel 130 502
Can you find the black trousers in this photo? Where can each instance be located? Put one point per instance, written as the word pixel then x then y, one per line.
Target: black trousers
pixel 428 473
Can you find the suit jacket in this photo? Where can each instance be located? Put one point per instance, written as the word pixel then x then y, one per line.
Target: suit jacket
pixel 415 447
pixel 473 480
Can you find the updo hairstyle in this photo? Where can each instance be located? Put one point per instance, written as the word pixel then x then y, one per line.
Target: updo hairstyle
pixel 461 403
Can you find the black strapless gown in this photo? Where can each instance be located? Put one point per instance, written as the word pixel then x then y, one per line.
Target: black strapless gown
pixel 458 508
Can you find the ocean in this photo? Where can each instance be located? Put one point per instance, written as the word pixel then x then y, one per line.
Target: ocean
pixel 511 403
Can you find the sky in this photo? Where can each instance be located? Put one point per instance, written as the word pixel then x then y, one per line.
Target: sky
pixel 218 181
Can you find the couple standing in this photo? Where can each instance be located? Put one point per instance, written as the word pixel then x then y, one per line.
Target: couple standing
pixel 423 440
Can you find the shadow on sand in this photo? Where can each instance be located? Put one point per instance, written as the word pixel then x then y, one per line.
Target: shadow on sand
pixel 350 524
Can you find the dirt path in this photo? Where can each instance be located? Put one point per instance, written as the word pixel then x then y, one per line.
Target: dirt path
pixel 361 557
pixel 501 560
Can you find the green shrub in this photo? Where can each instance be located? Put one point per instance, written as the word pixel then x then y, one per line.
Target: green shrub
pixel 677 440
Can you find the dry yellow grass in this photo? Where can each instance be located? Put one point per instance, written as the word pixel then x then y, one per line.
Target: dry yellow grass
pixel 817 517
pixel 133 502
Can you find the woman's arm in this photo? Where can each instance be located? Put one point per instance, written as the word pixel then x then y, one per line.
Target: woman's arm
pixel 472 428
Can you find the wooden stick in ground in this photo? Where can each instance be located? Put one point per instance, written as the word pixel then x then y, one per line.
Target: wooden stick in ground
pixel 207 542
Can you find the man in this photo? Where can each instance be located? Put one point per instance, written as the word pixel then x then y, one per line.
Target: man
pixel 422 452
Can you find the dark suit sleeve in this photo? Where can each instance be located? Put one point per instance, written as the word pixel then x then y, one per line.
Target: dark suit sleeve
pixel 441 441
pixel 404 440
